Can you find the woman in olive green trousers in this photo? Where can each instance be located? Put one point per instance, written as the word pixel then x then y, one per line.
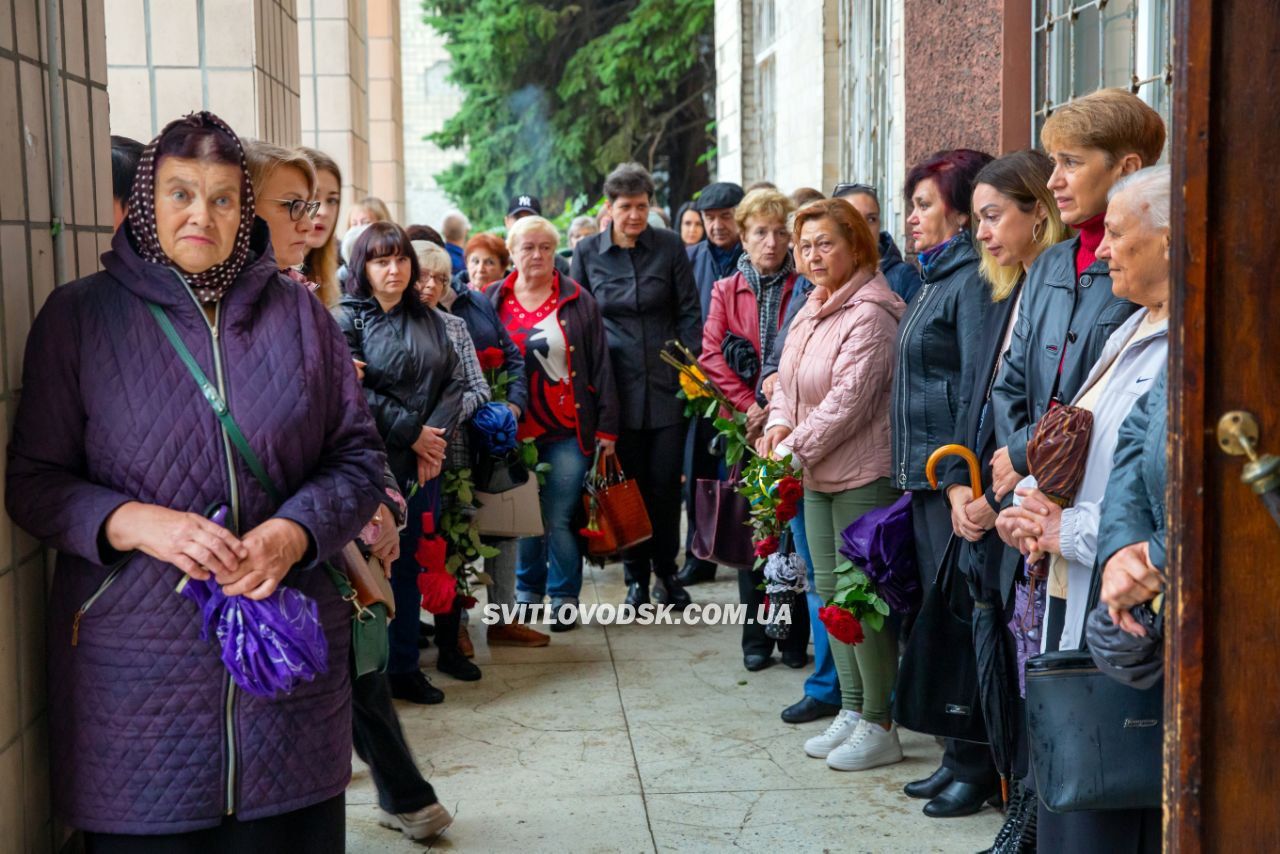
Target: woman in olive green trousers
pixel 830 412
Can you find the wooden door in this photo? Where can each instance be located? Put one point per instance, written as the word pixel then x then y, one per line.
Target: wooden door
pixel 1222 741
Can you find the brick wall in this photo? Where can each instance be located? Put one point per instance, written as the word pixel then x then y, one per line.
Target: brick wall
pixel 27 261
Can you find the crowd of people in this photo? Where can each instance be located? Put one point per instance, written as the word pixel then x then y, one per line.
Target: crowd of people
pixel 235 353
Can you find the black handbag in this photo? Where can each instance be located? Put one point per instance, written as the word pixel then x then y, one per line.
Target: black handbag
pixel 1096 743
pixel 496 475
pixel 937 690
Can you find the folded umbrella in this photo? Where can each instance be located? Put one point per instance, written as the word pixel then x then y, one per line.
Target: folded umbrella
pixel 269 646
pixel 1056 457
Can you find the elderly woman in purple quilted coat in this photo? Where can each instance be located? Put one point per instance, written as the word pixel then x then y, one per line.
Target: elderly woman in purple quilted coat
pixel 115 458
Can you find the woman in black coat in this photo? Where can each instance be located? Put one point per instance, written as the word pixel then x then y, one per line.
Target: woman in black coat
pixel 937 345
pixel 413 383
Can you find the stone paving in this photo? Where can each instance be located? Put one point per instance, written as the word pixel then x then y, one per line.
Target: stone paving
pixel 646 738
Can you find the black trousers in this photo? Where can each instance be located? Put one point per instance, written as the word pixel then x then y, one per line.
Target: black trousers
pixel 380 742
pixel 699 462
pixel 320 828
pixel 931 519
pixel 754 639
pixel 654 458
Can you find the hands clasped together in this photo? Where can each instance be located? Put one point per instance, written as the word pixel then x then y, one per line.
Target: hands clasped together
pixel 250 566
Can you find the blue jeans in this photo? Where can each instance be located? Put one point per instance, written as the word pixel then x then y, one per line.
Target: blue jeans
pixel 822 685
pixel 403 631
pixel 561 496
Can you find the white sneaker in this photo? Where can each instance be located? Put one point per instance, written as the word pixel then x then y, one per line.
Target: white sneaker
pixel 426 822
pixel 869 746
pixel 841 728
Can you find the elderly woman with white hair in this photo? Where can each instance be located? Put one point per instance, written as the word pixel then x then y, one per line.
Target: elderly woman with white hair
pixel 1135 246
pixel 572 409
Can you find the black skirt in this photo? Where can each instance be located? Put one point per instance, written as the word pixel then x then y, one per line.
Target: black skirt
pixel 317 829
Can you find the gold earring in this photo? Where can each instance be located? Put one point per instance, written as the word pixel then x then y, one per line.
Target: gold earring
pixel 1037 231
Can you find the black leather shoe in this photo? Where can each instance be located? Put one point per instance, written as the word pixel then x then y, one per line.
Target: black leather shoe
pixel 458 667
pixel 696 571
pixel 637 595
pixel 930 787
pixel 795 660
pixel 414 687
pixel 756 662
pixel 808 709
pixel 960 799
pixel 425 632
pixel 669 591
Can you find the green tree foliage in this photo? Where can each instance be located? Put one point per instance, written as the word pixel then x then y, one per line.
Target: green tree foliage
pixel 556 93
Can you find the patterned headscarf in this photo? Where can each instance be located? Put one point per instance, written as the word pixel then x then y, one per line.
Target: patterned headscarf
pixel 212 284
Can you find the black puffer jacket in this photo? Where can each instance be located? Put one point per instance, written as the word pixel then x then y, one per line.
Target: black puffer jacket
pixel 937 343
pixel 902 277
pixel 647 298
pixel 412 376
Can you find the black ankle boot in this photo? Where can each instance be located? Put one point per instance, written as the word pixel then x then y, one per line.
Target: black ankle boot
pixel 451 661
pixel 669 591
pixel 1018 833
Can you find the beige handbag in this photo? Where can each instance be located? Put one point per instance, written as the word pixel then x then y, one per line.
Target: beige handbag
pixel 514 513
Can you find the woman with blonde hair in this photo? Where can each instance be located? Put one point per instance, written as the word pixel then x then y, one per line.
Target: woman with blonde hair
pixel 367 211
pixel 321 263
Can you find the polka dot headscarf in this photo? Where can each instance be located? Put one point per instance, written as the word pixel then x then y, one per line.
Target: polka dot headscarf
pixel 212 284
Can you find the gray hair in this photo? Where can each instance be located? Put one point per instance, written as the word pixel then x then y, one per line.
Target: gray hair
pixel 1150 188
pixel 431 258
pixel 586 222
pixel 529 225
pixel 455 226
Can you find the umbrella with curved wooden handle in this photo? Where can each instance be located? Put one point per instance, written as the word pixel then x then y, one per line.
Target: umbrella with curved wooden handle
pixel 975 470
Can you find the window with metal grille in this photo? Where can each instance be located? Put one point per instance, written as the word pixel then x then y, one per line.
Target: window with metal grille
pixel 867 152
pixel 1079 46
pixel 763 37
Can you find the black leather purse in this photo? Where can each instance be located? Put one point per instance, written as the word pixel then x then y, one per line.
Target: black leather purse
pixel 1096 743
pixel 937 690
pixel 498 474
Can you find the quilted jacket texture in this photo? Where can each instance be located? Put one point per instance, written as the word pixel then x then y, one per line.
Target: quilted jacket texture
pixel 147 734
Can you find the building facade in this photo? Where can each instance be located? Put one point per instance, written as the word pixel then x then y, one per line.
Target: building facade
pixel 429 100
pixel 812 92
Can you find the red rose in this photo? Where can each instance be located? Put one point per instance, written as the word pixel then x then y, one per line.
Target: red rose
pixel 785 511
pixel 491 358
pixel 438 588
pixel 790 490
pixel 841 625
pixel 591 533
pixel 469 602
pixel 767 546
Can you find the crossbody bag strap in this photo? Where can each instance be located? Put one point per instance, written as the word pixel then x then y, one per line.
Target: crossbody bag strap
pixel 234 433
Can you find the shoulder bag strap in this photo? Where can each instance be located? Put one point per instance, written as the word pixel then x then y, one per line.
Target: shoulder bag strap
pixel 234 433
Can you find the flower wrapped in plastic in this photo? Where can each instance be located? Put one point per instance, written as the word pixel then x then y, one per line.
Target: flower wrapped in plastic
pixel 494 426
pixel 269 646
pixel 881 542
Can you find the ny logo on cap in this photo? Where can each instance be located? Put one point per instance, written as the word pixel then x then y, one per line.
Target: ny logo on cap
pixel 525 200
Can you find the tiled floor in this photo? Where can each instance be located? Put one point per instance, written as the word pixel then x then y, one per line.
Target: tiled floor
pixel 646 738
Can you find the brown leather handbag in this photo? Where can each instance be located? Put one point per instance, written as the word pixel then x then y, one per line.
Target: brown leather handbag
pixel 368 579
pixel 616 515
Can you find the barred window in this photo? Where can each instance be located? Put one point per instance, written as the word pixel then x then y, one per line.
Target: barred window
pixel 1080 46
pixel 867 101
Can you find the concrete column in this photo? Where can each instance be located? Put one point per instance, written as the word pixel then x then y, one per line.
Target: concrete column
pixel 386 110
pixel 237 58
pixel 37 253
pixel 332 56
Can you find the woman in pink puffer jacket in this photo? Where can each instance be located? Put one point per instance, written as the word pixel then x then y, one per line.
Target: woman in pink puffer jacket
pixel 830 411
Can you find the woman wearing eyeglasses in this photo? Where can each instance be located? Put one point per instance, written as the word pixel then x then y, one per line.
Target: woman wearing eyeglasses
pixel 902 276
pixel 284 184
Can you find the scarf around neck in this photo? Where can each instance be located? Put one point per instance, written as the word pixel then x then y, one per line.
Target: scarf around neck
pixel 212 284
pixel 768 290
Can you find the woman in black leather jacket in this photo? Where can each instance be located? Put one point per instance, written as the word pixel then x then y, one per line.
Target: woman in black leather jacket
pixel 937 342
pixel 413 383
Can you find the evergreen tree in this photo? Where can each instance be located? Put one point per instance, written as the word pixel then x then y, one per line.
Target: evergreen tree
pixel 558 92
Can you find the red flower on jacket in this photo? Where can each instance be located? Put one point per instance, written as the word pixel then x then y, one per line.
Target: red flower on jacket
pixel 491 358
pixel 841 625
pixel 790 490
pixel 438 589
pixel 767 546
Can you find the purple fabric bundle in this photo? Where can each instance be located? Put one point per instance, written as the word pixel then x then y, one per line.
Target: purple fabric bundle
pixel 269 646
pixel 1028 617
pixel 882 542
